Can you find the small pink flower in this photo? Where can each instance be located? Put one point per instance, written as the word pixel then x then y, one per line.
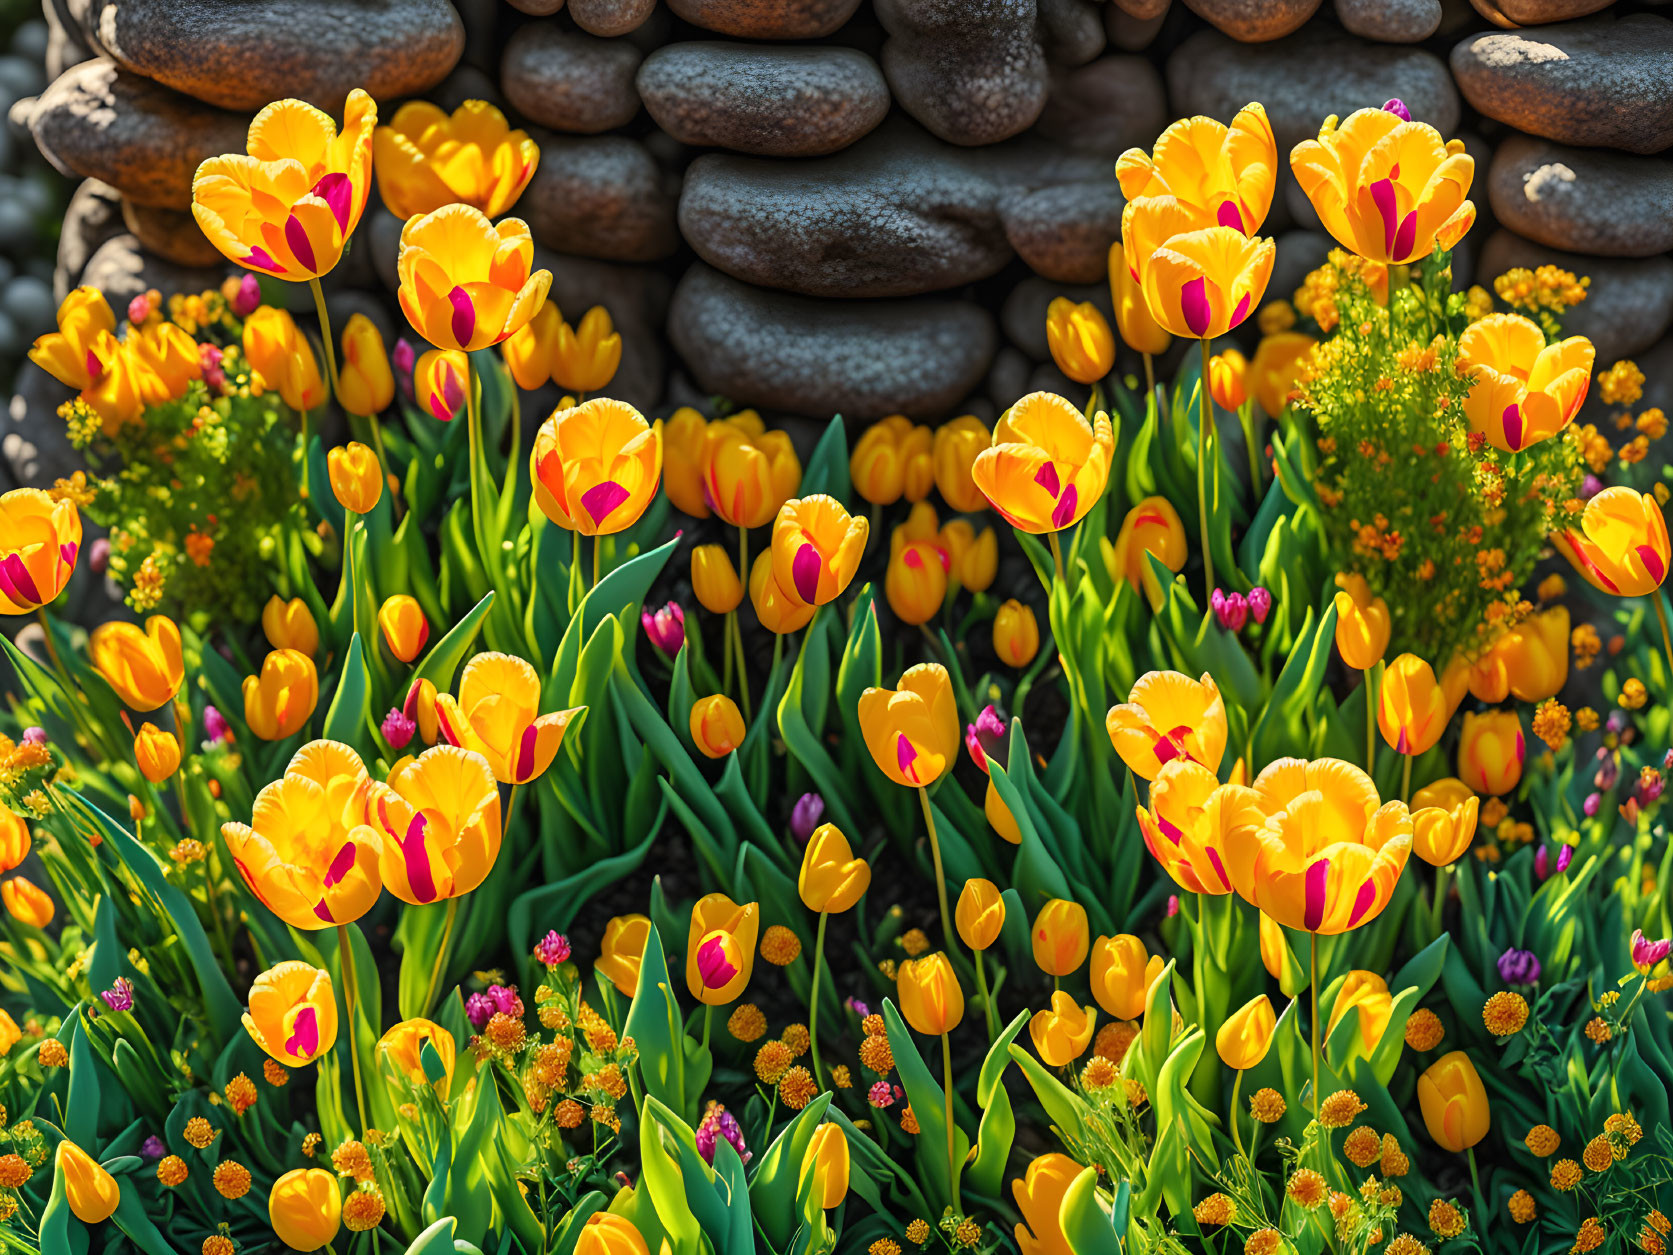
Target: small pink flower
pixel 665 628
pixel 1646 953
pixel 880 1095
pixel 248 298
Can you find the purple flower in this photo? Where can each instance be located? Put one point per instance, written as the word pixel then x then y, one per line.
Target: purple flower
pixel 404 358
pixel 153 1148
pixel 1542 863
pixel 34 735
pixel 552 949
pixel 248 297
pixel 215 724
pixel 1231 610
pixel 478 1010
pixel 1398 108
pixel 98 554
pixel 1617 722
pixel 805 816
pixel 720 1123
pixel 858 1008
pixel 1565 856
pixel 985 738
pixel 1591 804
pixel 665 628
pixel 1519 967
pixel 1173 905
pixel 398 728
pixel 120 996
pixel 1260 603
pixel 504 999
pixel 1590 487
pixel 1646 953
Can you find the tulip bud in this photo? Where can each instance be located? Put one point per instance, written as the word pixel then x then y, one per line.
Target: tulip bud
pixel 953 451
pixel 1260 603
pixel 916 582
pixel 1646 953
pixel 279 700
pixel 930 998
pixel 585 358
pixel 26 903
pixel 405 629
pixel 356 478
pixel 305 1208
pixel 1016 635
pixel 1061 936
pixel 91 1192
pixel 831 879
pixel 14 840
pixel 979 562
pixel 805 816
pixel 1246 1035
pixel 1122 973
pixel 606 1233
pixel 1366 995
pixel 1443 821
pixel 1362 623
pixel 157 753
pixel 893 458
pixel 665 628
pixel 720 948
pixel 999 816
pixel 1411 708
pixel 1080 340
pixel 714 579
pixel 826 1160
pixel 1226 379
pixel 420 707
pixel 365 384
pixel 1491 750
pixel 1231 610
pixel 529 351
pixel 717 726
pixel 290 625
pixel 439 381
pixel 397 729
pixel 1141 332
pixel 1454 1102
pixel 1519 967
pixel 985 739
pixel 1062 1033
pixel 145 667
pixel 401 1049
pixel 10 1033
pixel 980 913
pixel 246 297
pixel 1154 527
pixel 278 351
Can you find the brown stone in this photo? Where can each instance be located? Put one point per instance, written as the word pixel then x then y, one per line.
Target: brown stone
pixel 172 234
pixel 971 71
pixel 609 18
pixel 1255 21
pixel 767 19
pixel 570 81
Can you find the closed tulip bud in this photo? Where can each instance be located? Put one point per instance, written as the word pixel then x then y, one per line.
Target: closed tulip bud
pixel 999 816
pixel 439 381
pixel 356 477
pixel 922 524
pixel 465 282
pixel 1647 952
pixel 953 450
pixel 916 582
pixel 1062 1033
pixel 79 353
pixel 979 562
pixel 420 707
pixel 290 625
pixel 1227 379
pixel 622 950
pixel 1080 340
pixel 684 441
pixel 405 629
pixel 144 667
pixel 1362 623
pixel 930 998
pixel 892 459
pixel 1272 374
pixel 748 474
pixel 1274 946
pixel 427 158
pixel 1151 527
pixel 279 700
pixel 780 612
pixel 816 548
pixel 720 948
pixel 714 579
pixel 831 879
pixel 91 1192
pixel 606 1233
pixel 278 351
pixel 826 1161
pixel 293 1013
pixel 1047 465
pixel 1366 996
pixel 912 732
pixel 1039 1196
pixel 1491 750
pixel 586 357
pixel 26 903
pixel 365 383
pixel 1443 821
pixel 401 1050
pixel 10 1033
pixel 305 1208
pixel 1138 329
pixel 14 839
pixel 1454 1102
pixel 980 913
pixel 1246 1035
pixel 1122 973
pixel 157 752
pixel 1532 657
pixel 1016 635
pixel 1060 936
pixel 529 351
pixel 1411 709
pixel 717 726
pixel 665 628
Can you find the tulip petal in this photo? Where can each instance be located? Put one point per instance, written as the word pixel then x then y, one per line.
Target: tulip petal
pixel 337 191
pixel 464 316
pixel 1193 302
pixel 304 1038
pixel 601 499
pixel 417 860
pixel 805 569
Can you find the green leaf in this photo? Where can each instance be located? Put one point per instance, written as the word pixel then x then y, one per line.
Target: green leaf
pixel 675 1069
pixel 348 714
pixel 446 655
pixel 772 1187
pixel 998 1124
pixel 929 1103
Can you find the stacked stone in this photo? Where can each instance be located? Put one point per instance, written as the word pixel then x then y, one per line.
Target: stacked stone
pixel 842 206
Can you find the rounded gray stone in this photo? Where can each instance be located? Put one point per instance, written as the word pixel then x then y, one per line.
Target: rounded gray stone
pixel 1390 21
pixel 860 359
pixel 609 18
pixel 600 196
pixel 971 71
pixel 1254 21
pixel 764 99
pixel 1586 200
pixel 1071 31
pixel 1106 107
pixel 1130 33
pixel 767 19
pixel 172 234
pixel 1601 82
pixel 570 81
pixel 1064 230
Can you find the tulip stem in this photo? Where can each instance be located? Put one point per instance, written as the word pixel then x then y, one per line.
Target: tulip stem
pixel 1056 558
pixel 1149 378
pixel 990 1013
pixel 345 955
pixel 726 652
pixel 708 1021
pixel 1237 1136
pixel 1313 939
pixel 813 1000
pixel 1203 426
pixel 441 957
pixel 1443 878
pixel 473 425
pixel 743 673
pixel 598 545
pixel 325 336
pixel 940 877
pixel 1370 728
pixel 1251 431
pixel 1406 779
pixel 1475 1183
pixel 952 1129
pixel 1666 636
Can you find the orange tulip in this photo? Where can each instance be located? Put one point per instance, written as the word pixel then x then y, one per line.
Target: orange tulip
pixel 916 582
pixel 585 358
pixel 305 1209
pixel 529 350
pixel 1365 994
pixel 465 282
pixel 714 580
pixel 1168 716
pixel 39 541
pixel 1443 821
pixel 144 667
pixel 293 1013
pixel 1411 709
pixel 1153 526
pixel 1201 284
pixel 1061 936
pixel 720 948
pixel 1523 390
pixel 1273 371
pixel 1454 1102
pixel 1016 634
pixel 497 715
pixel 831 878
pixel 980 913
pixel 684 458
pixel 405 629
pixel 716 725
pixel 356 477
pixel 1220 174
pixel 622 950
pixel 1621 546
pixel 1243 1040
pixel 402 1049
pixel 91 1192
pixel 439 380
pixel 1138 329
pixel 278 351
pixel 912 732
pixel 953 452
pixel 365 383
pixel 816 548
pixel 1062 1033
pixel 1362 623
pixel 427 159
pixel 27 903
pixel 595 467
pixel 748 476
pixel 83 348
pixel 438 816
pixel 606 1233
pixel 893 458
pixel 1047 465
pixel 1491 751
pixel 930 998
pixel 14 839
pixel 1123 971
pixel 278 701
pixel 780 612
pixel 1189 818
pixel 1228 379
pixel 156 752
pixel 1080 341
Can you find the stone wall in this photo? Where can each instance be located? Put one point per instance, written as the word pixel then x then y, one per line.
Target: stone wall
pixel 863 206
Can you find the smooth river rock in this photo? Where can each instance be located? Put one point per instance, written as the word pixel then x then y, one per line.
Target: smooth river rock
pixel 764 99
pixel 1585 200
pixel 600 196
pixel 1064 230
pixel 767 19
pixel 570 81
pixel 172 234
pixel 1601 82
pixel 1106 107
pixel 860 359
pixel 971 71
pixel 101 122
pixel 241 55
pixel 1255 21
pixel 1390 21
pixel 609 18
pixel 1071 31
pixel 1539 12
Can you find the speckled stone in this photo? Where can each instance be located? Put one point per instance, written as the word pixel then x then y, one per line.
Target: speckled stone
pixel 1106 107
pixel 144 140
pixel 767 19
pixel 1255 21
pixel 971 71
pixel 1628 305
pixel 600 196
pixel 1390 21
pixel 570 81
pixel 1601 82
pixel 1539 12
pixel 763 99
pixel 1071 31
pixel 241 56
pixel 860 359
pixel 172 234
pixel 609 18
pixel 1583 199
pixel 537 8
pixel 1064 231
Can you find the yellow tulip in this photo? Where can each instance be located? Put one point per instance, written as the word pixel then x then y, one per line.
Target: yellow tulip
pixel 1245 1037
pixel 1221 174
pixel 953 452
pixel 293 1013
pixel 170 360
pixel 1167 716
pixel 279 700
pixel 82 349
pixel 144 667
pixel 365 382
pixel 1139 330
pixel 1039 1196
pixel 606 1233
pixel 497 715
pixel 1621 545
pixel 1411 709
pixel 1491 751
pixel 1362 623
pixel 528 351
pixel 1388 189
pixel 288 207
pixel 1274 946
pixel 465 282
pixel 26 903
pixel 405 629
pixel 716 725
pixel 439 380
pixel 931 1000
pixel 912 732
pixel 39 541
pixel 278 351
pixel 427 159
pixel 1204 283
pixel 402 1048
pixel 714 580
pixel 999 816
pixel 1016 634
pixel 1272 374
pixel 595 466
pixel 356 477
pixel 1524 390
pixel 831 878
pixel 720 948
pixel 91 1192
pixel 748 476
pixel 622 951
pixel 10 1033
pixel 780 612
pixel 980 913
pixel 420 707
pixel 1060 937
pixel 1062 1033
pixel 978 563
pixel 1366 995
pixel 1047 465
pixel 1081 342
pixel 1530 661
pixel 14 839
pixel 1443 821
pixel 816 548
pixel 826 1161
pixel 915 583
pixel 1152 526
pixel 1188 821
pixel 156 752
pixel 893 458
pixel 1228 379
pixel 684 442
pixel 585 358
pixel 438 816
pixel 305 1208
pixel 290 625
pixel 1454 1102
pixel 1122 973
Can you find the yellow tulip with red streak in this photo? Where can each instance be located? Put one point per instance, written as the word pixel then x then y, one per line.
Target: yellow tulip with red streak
pixel 1621 544
pixel 1154 527
pixel 467 283
pixel 293 1013
pixel 913 731
pixel 438 816
pixel 497 715
pixel 40 540
pixel 716 725
pixel 1186 825
pixel 1523 390
pixel 1491 751
pixel 279 700
pixel 1167 716
pixel 1047 465
pixel 144 666
pixel 720 948
pixel 596 466
pixel 427 159
pixel 816 548
pixel 1411 709
pixel 1223 175
pixel 439 380
pixel 748 475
